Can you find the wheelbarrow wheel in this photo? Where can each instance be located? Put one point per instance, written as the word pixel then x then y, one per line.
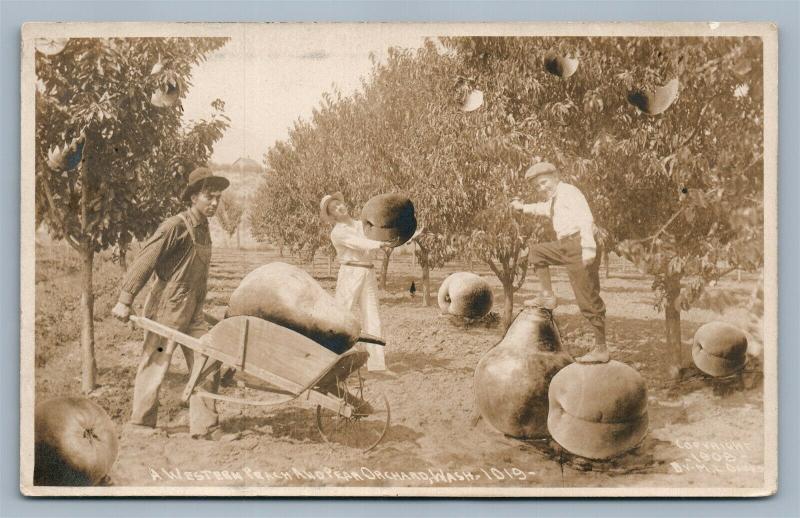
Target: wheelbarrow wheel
pixel 367 423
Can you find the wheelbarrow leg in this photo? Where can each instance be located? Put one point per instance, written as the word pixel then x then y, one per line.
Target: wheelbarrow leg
pixel 197 369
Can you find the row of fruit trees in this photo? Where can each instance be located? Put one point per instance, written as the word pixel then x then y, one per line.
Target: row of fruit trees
pixel 676 182
pixel 453 125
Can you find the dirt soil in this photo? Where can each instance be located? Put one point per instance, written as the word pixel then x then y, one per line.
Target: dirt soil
pixel 703 432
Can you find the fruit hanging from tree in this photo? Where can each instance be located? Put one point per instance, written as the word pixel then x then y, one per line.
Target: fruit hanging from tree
pixel 561 66
pixel 654 102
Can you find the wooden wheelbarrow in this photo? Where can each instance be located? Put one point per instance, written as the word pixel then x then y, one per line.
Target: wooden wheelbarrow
pixel 294 366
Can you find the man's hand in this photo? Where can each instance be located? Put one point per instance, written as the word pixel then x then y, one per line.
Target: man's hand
pixel 385 245
pixel 517 205
pixel 417 234
pixel 121 311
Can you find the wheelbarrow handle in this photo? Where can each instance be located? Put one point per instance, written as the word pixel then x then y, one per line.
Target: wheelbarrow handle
pixel 371 339
pixel 133 319
pixel 210 319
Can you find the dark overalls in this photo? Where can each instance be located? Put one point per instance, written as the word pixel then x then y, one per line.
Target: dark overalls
pixel 180 254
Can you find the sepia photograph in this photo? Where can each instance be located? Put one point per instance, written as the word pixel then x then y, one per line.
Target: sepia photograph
pixel 386 259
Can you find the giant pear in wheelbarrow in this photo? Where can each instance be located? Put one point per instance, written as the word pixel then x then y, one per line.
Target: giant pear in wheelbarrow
pixel 288 296
pixel 511 381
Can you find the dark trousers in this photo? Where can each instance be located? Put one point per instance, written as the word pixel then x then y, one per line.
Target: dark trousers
pixel 585 280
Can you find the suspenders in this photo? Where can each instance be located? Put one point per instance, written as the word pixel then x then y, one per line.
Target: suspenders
pixel 188 227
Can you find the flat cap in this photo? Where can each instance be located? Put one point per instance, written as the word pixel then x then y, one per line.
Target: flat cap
pixel 540 169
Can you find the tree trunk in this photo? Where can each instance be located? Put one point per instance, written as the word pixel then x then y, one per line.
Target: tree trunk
pixel 330 266
pixel 280 249
pixel 88 364
pixel 426 276
pixel 413 256
pixel 238 239
pixel 86 249
pixel 606 260
pixel 673 326
pixel 123 258
pixel 385 267
pixel 508 303
pixel 471 263
pixel 426 284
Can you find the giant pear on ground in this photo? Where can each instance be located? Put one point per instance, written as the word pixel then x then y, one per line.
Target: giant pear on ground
pixel 511 380
pixel 288 296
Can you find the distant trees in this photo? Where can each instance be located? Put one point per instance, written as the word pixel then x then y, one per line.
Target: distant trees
pixel 111 151
pixel 229 215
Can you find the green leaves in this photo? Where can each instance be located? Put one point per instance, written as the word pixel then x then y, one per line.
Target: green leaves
pixel 97 91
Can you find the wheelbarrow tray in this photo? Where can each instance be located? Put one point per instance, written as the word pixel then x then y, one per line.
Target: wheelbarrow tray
pixel 267 351
pixel 277 354
pixel 296 365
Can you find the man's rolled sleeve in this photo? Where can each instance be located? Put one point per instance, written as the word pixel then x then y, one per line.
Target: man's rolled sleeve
pixel 125 298
pixel 349 237
pixel 537 209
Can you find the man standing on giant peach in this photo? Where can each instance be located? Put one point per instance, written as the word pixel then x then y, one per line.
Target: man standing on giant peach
pixel 575 248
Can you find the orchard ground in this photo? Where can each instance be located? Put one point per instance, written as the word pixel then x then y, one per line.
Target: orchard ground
pixel 703 433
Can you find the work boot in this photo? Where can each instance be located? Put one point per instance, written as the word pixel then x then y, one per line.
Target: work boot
pixel 139 430
pixel 599 354
pixel 543 300
pixel 216 434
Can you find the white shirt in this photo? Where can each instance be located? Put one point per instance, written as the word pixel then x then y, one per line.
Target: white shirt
pixel 351 244
pixel 571 213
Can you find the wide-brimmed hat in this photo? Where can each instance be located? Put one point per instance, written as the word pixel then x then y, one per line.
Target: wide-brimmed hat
pixel 540 169
pixel 323 205
pixel 203 176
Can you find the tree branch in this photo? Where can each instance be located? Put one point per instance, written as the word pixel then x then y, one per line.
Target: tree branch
pixel 494 268
pixel 660 230
pixel 697 122
pixel 61 219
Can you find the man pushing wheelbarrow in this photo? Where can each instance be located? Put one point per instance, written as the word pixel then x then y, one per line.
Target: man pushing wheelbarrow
pixel 179 253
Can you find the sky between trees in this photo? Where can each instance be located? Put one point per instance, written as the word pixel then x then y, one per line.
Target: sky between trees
pixel 269 78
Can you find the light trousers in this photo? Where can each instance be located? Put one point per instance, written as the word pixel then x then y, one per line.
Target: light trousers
pixel 174 307
pixel 357 285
